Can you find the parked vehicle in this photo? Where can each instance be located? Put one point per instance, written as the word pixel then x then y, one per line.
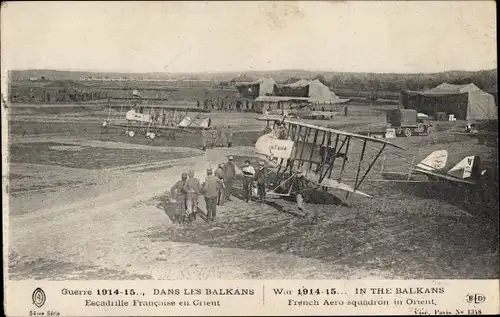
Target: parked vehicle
pixel 408 122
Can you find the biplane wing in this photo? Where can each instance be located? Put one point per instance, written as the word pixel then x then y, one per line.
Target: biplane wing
pixel 168 119
pixel 311 151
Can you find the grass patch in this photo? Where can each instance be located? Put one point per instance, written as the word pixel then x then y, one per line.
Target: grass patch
pixel 87 157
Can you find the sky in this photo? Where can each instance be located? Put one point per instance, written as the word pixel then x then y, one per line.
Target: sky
pixel 346 36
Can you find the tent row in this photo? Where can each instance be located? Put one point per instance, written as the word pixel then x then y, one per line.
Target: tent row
pixel 267 90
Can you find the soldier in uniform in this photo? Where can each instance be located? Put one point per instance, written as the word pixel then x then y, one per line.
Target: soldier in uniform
pixel 210 191
pixel 204 138
pixel 260 179
pixel 178 196
pixel 229 174
pixel 192 188
pixel 221 195
pixel 248 176
pixel 229 136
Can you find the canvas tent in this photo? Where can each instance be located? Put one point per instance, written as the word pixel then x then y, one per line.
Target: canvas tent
pixel 466 102
pixel 261 87
pixel 317 92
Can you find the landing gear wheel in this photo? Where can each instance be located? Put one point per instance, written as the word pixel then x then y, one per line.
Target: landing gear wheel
pixel 407 132
pixel 152 135
pixel 131 134
pixel 429 130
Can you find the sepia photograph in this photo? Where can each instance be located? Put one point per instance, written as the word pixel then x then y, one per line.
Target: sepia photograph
pixel 266 140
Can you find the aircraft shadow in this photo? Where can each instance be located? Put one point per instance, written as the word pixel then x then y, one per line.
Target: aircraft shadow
pixel 288 204
pixel 170 210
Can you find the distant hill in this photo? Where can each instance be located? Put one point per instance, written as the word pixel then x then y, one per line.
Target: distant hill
pixel 486 79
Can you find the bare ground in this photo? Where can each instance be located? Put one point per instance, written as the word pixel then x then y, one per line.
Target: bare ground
pixel 69 219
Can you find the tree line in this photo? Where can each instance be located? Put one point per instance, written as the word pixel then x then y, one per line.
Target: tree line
pixel 486 80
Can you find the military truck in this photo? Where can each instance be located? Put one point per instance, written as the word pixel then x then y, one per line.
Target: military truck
pixel 407 122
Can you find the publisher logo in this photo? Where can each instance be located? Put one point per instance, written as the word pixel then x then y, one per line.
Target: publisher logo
pixel 38 297
pixel 475 298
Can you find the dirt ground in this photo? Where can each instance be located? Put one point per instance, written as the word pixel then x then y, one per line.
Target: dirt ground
pixel 86 205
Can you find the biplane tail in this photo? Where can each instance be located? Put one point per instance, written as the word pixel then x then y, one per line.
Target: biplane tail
pixel 185 122
pixel 205 123
pixel 434 162
pixel 469 167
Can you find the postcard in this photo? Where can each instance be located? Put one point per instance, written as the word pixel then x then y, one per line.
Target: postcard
pixel 249 158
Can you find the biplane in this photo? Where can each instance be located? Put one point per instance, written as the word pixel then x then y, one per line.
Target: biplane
pixel 153 121
pixel 301 153
pixel 467 171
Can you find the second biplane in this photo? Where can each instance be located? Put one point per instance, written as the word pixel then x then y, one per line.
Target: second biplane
pixel 153 121
pixel 304 153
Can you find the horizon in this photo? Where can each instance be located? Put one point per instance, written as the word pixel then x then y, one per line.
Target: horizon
pixel 243 72
pixel 221 37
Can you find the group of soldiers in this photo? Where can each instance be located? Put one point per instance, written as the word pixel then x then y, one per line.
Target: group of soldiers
pixel 61 95
pixel 217 189
pixel 219 136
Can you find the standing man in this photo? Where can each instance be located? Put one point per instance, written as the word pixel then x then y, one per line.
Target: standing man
pixel 178 196
pixel 261 178
pixel 248 176
pixel 204 138
pixel 105 126
pixel 229 136
pixel 210 190
pixel 229 174
pixel 192 188
pixel 221 195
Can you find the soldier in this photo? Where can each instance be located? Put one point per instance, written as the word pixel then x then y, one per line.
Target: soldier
pixel 192 188
pixel 223 136
pixel 261 178
pixel 229 174
pixel 204 138
pixel 229 136
pixel 210 189
pixel 178 196
pixel 105 126
pixel 221 195
pixel 248 175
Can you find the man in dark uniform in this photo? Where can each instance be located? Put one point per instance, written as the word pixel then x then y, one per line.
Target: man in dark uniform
pixel 260 179
pixel 178 196
pixel 210 190
pixel 229 174
pixel 221 195
pixel 229 136
pixel 192 188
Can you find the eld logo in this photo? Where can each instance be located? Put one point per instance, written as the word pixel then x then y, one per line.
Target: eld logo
pixel 475 298
pixel 38 297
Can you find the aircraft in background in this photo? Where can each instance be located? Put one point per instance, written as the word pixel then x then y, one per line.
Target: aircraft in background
pixel 152 121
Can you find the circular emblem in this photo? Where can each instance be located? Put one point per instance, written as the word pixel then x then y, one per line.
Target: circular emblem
pixel 38 297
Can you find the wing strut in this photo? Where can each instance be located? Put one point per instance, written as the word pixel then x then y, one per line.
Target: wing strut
pixel 370 167
pixel 359 163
